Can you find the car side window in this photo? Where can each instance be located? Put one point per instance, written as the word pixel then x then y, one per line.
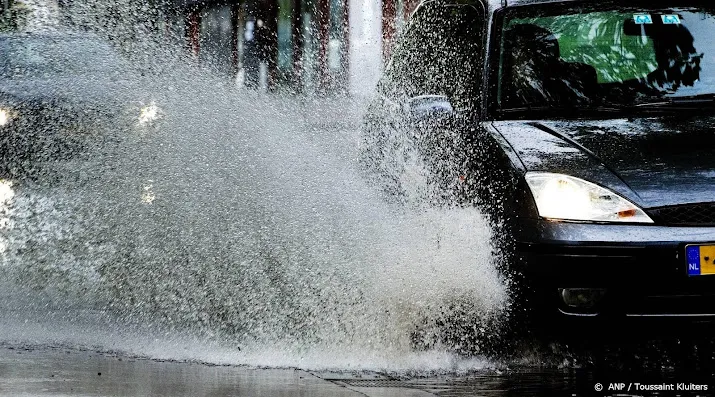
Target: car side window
pixel 439 54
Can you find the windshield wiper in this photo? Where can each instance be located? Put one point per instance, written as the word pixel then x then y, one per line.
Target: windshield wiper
pixel 680 101
pixel 565 111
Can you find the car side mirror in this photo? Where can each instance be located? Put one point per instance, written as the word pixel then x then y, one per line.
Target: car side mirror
pixel 429 108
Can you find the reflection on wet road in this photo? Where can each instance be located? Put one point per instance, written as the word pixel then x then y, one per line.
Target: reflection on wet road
pixel 65 372
pixel 60 371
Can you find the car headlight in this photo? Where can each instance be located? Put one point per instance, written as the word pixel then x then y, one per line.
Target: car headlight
pixel 565 197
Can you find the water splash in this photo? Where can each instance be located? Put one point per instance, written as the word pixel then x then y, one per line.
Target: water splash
pixel 240 221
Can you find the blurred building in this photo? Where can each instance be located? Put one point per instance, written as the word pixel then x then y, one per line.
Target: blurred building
pixel 306 46
pixel 301 44
pixel 314 46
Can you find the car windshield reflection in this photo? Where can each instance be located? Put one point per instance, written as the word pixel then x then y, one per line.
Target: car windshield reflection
pixel 608 58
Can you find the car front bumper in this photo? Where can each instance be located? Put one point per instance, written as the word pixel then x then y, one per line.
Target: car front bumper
pixel 641 271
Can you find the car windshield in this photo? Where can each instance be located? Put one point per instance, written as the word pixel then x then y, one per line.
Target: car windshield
pixel 615 58
pixel 47 57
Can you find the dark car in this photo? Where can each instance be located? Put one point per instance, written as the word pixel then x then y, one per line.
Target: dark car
pixel 585 130
pixel 60 93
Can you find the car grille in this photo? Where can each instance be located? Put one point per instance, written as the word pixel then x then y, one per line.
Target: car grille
pixel 702 214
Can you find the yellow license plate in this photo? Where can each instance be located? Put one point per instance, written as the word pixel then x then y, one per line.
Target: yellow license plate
pixel 701 260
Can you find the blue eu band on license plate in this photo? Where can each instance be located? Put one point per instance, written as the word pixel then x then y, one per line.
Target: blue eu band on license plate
pixel 701 260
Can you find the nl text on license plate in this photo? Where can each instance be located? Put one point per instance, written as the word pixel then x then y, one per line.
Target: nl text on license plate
pixel 701 260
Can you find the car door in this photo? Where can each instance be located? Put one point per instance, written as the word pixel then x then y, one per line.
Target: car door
pixel 426 99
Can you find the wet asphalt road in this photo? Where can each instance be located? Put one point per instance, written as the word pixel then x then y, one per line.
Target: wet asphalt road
pixel 56 371
pixel 63 372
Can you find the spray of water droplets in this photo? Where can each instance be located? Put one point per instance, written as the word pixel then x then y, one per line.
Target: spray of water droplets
pixel 238 223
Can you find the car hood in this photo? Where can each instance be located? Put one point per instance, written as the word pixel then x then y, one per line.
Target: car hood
pixel 655 161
